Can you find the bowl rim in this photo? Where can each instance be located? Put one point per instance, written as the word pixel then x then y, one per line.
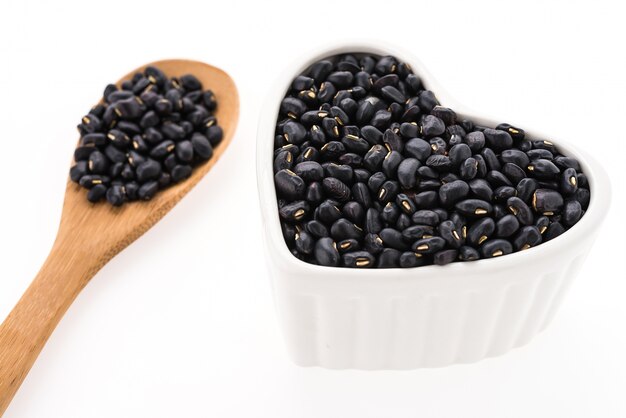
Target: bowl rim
pixel 277 250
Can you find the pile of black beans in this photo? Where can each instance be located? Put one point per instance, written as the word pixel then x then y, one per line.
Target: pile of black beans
pixel 371 171
pixel 144 136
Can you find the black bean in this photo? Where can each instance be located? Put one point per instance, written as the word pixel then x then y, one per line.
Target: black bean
pixel 507 226
pixel 449 232
pixel 513 172
pixel 481 231
pixel 162 150
pixel 572 211
pixel 439 162
pixel 418 148
pixel 353 211
pixel 543 169
pixel 415 232
pixel 547 201
pixel 528 236
pixel 481 189
pixel 181 172
pixel 452 192
pixel 344 229
pixel 388 258
pixel 411 259
pixel 569 181
pixel 148 170
pixel 497 139
pixel 201 146
pixel 468 253
pixel 391 162
pixel 496 248
pixel 393 238
pixel 309 171
pixel 520 209
pixel 388 191
pixel 289 185
pixel 390 213
pixel 348 245
pixel 525 189
pixel 444 257
pixel 583 197
pixel 326 253
pixel 459 153
pixel 428 245
pixel 516 133
pixel 515 156
pixel 336 189
pixel 474 208
pixel 554 230
pixel 475 140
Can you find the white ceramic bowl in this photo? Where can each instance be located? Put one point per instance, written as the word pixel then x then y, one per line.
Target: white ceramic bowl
pixel 427 316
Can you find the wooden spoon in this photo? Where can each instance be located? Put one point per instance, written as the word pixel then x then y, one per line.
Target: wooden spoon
pixel 91 234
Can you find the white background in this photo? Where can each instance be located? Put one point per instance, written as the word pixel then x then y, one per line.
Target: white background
pixel 181 324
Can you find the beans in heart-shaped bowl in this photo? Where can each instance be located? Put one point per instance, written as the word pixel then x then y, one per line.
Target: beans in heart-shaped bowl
pixel 365 162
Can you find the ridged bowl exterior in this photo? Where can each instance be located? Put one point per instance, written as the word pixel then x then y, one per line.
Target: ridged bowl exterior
pixel 428 316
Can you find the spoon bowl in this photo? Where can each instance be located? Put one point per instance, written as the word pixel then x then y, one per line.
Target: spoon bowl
pixel 91 234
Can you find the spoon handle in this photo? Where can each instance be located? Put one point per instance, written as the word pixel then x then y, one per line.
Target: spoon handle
pixel 30 323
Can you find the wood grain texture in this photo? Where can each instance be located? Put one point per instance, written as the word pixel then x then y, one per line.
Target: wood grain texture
pixel 90 235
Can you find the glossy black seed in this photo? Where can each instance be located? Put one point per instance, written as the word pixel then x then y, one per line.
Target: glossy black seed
pixel 411 259
pixel 416 232
pixel 388 258
pixel 513 172
pixel 543 169
pixel 527 237
pixel 481 231
pixel 418 148
pixel 326 253
pixel 468 254
pixel 516 133
pixel 162 150
pixel 115 195
pixel 426 200
pixel 148 170
pixel 547 201
pixel 525 189
pixel 289 185
pixel 429 245
pixel 468 169
pixel 475 140
pixel 474 208
pixel 502 193
pixel 507 226
pixel 452 192
pixel 554 230
pixel 388 191
pixel 583 197
pixel 181 172
pixel 391 162
pixel 390 213
pixel 459 153
pixel 572 211
pixel 354 212
pixel 520 209
pixel 309 171
pixel 481 189
pixel 304 242
pixel 497 179
pixel 491 160
pixel 439 162
pixel 515 156
pixel 336 189
pixel 569 181
pixel 201 146
pixel 344 229
pixel 496 248
pixel 444 257
pixel 317 229
pixel 497 139
pixel 359 259
pixel 425 217
pixel 449 232
pixel 393 238
pixel 427 101
pixel 294 211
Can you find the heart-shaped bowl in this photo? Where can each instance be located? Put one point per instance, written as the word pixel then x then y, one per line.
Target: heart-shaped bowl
pixel 428 316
